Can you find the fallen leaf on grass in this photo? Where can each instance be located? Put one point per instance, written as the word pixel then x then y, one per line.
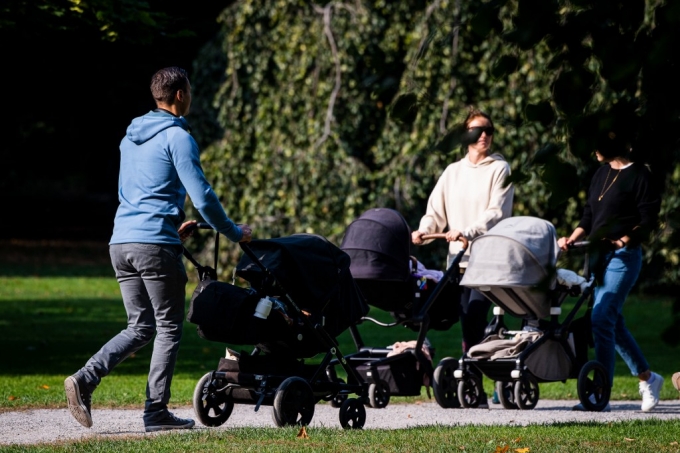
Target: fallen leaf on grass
pixel 502 449
pixel 12 398
pixel 628 439
pixel 517 440
pixel 302 434
pixel 46 387
pixel 522 450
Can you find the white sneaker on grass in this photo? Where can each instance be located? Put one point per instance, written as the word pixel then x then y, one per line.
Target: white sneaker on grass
pixel 650 392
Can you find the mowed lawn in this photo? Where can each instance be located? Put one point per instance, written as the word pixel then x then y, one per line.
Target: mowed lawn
pixel 60 302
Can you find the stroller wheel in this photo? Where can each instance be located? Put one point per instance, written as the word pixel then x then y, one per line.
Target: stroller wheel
pixel 212 408
pixel 526 392
pixel 593 386
pixel 336 399
pixel 379 394
pixel 352 414
pixel 293 403
pixel 506 394
pixel 444 385
pixel 470 390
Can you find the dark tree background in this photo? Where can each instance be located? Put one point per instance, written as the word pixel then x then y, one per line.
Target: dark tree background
pixel 74 75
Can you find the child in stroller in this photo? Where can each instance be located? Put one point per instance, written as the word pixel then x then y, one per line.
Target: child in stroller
pixel 514 265
pixel 378 243
pixel 301 297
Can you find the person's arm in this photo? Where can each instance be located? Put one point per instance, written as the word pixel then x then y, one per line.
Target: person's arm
pixel 565 242
pixel 434 220
pixel 648 202
pixel 185 156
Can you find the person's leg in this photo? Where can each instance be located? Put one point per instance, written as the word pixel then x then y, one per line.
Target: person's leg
pixel 165 280
pixel 474 317
pixel 138 333
pixel 474 310
pixel 620 275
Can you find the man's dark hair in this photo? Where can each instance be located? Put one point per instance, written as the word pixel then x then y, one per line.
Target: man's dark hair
pixel 166 82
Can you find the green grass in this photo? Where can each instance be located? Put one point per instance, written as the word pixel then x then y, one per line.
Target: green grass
pixel 54 316
pixel 52 325
pixel 648 436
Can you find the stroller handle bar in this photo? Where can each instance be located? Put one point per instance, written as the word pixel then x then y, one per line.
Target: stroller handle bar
pixel 462 239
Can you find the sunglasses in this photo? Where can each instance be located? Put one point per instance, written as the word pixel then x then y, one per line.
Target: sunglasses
pixel 489 130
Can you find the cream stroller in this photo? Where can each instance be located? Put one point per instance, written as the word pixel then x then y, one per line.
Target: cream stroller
pixel 514 265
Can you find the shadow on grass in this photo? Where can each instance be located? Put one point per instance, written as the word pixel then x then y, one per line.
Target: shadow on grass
pixel 54 258
pixel 58 337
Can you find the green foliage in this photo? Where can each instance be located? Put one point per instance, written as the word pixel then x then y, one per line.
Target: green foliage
pixel 326 110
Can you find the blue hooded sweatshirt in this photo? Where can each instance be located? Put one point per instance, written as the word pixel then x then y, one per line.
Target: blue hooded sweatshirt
pixel 159 165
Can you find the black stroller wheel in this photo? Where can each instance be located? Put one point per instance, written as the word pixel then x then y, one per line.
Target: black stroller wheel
pixel 293 403
pixel 470 390
pixel 337 399
pixel 379 394
pixel 352 414
pixel 444 385
pixel 506 394
pixel 212 408
pixel 526 392
pixel 593 386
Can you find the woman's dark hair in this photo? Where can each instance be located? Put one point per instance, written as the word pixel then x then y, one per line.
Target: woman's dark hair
pixel 474 113
pixel 166 82
pixel 611 145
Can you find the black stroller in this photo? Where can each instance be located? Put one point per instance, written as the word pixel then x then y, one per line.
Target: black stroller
pixel 378 243
pixel 301 297
pixel 514 265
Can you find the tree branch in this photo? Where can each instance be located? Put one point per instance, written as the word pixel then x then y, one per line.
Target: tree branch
pixel 454 57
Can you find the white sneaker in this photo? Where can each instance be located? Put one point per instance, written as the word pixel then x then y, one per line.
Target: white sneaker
pixel 650 392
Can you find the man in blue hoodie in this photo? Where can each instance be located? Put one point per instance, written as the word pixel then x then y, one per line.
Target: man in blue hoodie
pixel 159 166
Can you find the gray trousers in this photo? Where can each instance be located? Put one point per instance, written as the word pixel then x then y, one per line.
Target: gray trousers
pixel 152 282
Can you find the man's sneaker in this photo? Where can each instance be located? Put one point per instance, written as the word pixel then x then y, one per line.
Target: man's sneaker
pixel 580 407
pixel 650 392
pixel 676 381
pixel 168 421
pixel 79 399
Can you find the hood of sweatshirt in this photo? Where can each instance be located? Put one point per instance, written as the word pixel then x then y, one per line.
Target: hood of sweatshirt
pixel 486 161
pixel 144 128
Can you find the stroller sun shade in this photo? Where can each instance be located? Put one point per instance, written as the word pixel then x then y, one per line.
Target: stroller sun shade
pixel 518 254
pixel 378 243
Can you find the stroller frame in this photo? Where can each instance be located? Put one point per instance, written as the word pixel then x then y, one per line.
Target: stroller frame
pixel 289 385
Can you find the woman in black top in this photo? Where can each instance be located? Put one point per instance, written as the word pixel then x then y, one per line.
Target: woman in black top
pixel 621 210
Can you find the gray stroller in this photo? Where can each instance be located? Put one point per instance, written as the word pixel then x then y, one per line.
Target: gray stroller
pixel 514 265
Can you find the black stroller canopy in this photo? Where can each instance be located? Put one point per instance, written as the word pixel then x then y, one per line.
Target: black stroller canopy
pixel 313 271
pixel 378 243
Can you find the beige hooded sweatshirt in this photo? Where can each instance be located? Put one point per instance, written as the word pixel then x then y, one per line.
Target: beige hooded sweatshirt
pixel 470 198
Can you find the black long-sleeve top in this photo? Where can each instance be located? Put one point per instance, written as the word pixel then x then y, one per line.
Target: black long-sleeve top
pixel 631 201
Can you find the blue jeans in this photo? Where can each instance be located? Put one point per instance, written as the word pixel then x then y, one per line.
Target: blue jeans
pixel 621 270
pixel 152 282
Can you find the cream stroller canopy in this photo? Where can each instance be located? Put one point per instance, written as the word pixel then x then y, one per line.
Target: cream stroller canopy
pixel 512 262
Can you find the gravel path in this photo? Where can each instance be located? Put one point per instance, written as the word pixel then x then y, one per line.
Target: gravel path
pixel 45 425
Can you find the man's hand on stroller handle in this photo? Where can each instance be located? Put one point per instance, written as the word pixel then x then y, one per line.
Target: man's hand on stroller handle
pixel 188 228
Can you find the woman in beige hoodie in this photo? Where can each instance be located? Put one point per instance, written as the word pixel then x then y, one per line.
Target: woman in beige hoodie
pixel 470 197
